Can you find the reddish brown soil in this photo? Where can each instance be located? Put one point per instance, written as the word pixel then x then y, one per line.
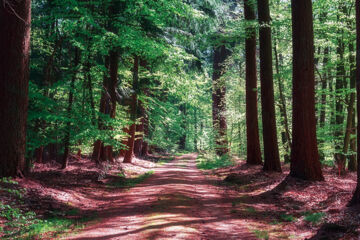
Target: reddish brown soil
pixel 181 202
pixel 177 202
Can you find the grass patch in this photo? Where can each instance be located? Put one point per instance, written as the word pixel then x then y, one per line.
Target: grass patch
pixel 261 234
pixel 164 161
pixel 25 225
pixel 287 218
pixel 212 161
pixel 314 218
pixel 131 182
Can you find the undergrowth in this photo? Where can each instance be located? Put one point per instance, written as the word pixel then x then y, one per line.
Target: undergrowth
pixel 23 224
pixel 209 161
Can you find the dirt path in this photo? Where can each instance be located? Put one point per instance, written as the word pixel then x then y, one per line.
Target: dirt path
pixel 177 202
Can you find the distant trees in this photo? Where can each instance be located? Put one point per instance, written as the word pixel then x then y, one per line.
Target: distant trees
pixel 252 128
pixel 15 18
pixel 305 162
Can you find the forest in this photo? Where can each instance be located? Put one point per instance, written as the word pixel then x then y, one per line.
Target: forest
pixel 179 119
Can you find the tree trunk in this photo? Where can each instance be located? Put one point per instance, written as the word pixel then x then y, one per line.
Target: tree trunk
pixel 305 162
pixel 69 110
pixel 352 158
pixel 356 197
pixel 182 140
pixel 15 18
pixel 271 149
pixel 252 128
pixel 195 130
pixel 129 154
pixel 219 100
pixel 285 134
pixel 323 88
pixel 140 130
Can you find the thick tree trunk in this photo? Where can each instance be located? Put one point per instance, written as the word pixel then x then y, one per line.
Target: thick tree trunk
pixel 69 110
pixel 356 197
pixel 305 162
pixel 252 127
pixel 219 100
pixel 129 154
pixel 271 149
pixel 14 81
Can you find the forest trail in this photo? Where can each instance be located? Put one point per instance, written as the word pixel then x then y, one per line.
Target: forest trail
pixel 176 202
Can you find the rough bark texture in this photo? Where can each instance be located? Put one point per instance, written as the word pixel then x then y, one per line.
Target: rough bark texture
pixel 252 127
pixel 14 80
pixel 356 197
pixel 69 109
pixel 129 154
pixel 305 162
pixel 219 100
pixel 271 148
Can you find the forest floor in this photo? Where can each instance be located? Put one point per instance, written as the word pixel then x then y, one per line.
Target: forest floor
pixel 173 199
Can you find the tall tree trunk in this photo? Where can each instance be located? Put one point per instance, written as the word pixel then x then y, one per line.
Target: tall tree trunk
pixel 182 140
pixel 219 100
pixel 305 162
pixel 98 145
pixel 15 18
pixel 285 134
pixel 356 197
pixel 195 130
pixel 252 127
pixel 340 85
pixel 323 88
pixel 129 154
pixel 351 129
pixel 140 130
pixel 69 110
pixel 271 149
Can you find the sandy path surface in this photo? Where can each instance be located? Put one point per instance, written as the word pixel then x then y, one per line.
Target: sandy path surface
pixel 176 202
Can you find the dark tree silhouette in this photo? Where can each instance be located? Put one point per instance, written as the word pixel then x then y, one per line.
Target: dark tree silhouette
pixel 356 197
pixel 15 18
pixel 252 127
pixel 305 162
pixel 271 149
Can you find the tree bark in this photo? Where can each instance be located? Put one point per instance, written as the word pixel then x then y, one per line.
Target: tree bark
pixel 15 18
pixel 356 197
pixel 305 162
pixel 219 100
pixel 271 148
pixel 252 127
pixel 129 154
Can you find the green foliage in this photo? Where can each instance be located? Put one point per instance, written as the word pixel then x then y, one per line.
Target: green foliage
pixel 287 218
pixel 261 234
pixel 314 218
pixel 212 161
